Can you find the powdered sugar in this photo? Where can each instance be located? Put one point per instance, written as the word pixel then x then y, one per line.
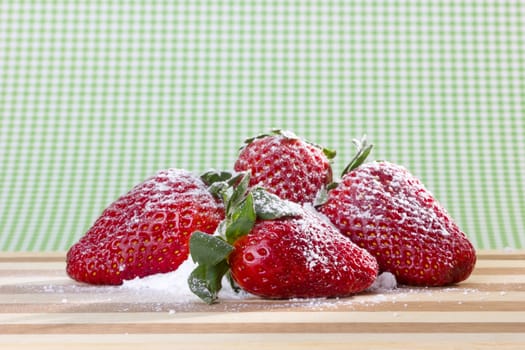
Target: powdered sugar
pixel 394 187
pixel 311 236
pixel 170 185
pixel 171 282
pixel 270 206
pixel 384 282
pixel 175 285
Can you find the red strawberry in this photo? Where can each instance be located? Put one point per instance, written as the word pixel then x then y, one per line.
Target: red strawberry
pixel 386 210
pixel 286 165
pixel 277 249
pixel 300 257
pixel 146 231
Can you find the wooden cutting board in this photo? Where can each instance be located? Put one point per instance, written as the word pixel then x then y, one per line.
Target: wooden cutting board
pixel 41 308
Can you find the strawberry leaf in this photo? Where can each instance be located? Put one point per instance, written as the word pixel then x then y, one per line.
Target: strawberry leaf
pixel 328 152
pixel 212 176
pixel 285 133
pixel 219 189
pixel 216 182
pixel 363 150
pixel 269 206
pixel 206 249
pixel 242 220
pixel 211 254
pixel 238 194
pixel 321 197
pixel 224 190
pixel 206 281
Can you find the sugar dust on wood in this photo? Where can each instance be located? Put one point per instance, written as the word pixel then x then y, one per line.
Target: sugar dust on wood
pixel 173 286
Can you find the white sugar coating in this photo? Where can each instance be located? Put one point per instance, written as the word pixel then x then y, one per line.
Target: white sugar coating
pixel 182 181
pixel 162 186
pixel 268 203
pixel 311 234
pixel 309 208
pixel 171 282
pixel 396 193
pixel 175 174
pixel 384 282
pixel 174 285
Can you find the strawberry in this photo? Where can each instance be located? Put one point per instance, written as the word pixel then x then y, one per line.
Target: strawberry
pixel 278 249
pixel 146 231
pixel 286 165
pixel 302 257
pixel 388 211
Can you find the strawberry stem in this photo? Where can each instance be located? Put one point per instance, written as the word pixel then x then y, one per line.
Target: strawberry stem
pixel 363 150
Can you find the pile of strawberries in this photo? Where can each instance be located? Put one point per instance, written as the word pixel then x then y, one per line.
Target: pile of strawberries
pixel 278 226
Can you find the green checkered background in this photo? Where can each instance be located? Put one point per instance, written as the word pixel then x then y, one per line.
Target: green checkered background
pixel 95 96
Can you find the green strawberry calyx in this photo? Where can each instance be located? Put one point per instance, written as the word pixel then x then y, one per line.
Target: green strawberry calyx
pixel 363 150
pixel 243 208
pixel 329 153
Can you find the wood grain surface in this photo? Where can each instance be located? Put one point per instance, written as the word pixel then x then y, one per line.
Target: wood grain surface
pixel 41 308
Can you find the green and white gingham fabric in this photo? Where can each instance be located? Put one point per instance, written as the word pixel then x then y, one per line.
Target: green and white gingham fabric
pixel 95 96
